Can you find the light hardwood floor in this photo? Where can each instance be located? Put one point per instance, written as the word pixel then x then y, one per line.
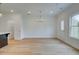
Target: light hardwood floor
pixel 37 47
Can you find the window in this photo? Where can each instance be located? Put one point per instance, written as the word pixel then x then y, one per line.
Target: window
pixel 62 25
pixel 74 27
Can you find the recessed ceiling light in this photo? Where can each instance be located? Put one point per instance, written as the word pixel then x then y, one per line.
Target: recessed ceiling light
pixel 11 10
pixel 0 14
pixel 51 12
pixel 29 12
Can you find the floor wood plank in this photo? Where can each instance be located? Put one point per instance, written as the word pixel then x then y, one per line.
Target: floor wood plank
pixel 37 47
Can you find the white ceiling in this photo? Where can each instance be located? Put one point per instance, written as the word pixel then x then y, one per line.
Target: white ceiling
pixel 35 8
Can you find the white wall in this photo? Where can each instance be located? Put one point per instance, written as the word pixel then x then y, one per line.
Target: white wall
pixel 3 26
pixel 33 28
pixel 22 27
pixel 65 15
pixel 11 24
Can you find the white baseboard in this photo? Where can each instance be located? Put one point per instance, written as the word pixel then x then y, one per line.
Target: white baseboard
pixel 39 37
pixel 77 48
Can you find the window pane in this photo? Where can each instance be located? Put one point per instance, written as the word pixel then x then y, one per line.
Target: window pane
pixel 62 25
pixel 74 26
pixel 75 32
pixel 74 22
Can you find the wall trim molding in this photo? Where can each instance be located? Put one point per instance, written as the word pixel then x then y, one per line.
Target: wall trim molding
pixel 39 37
pixel 36 37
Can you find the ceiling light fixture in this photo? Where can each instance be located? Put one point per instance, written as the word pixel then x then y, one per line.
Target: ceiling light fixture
pixel 29 12
pixel 0 14
pixel 12 11
pixel 41 18
pixel 40 14
pixel 51 12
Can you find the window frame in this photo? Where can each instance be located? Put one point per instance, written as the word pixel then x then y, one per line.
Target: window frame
pixel 70 25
